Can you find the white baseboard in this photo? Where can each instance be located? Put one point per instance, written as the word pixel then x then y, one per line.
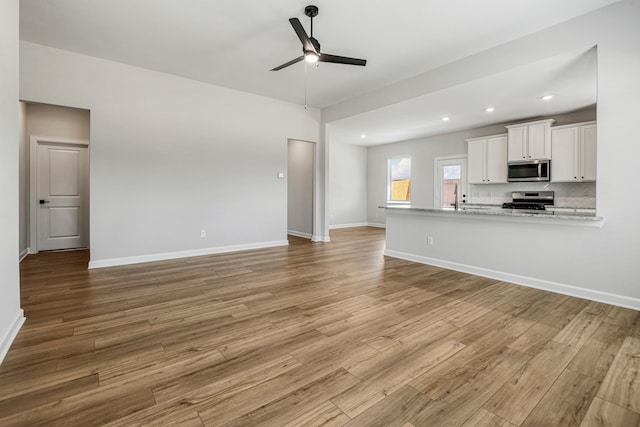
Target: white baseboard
pixel 375 224
pixel 299 234
pixel 23 254
pixel 560 288
pixel 114 262
pixel 357 224
pixel 323 239
pixel 10 334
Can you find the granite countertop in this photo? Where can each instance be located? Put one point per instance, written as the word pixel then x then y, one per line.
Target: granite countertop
pixel 580 214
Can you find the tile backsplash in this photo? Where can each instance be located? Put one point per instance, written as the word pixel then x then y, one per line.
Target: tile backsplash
pixel 567 194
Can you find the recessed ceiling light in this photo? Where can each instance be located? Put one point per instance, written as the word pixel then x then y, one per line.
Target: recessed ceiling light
pixel 489 109
pixel 363 136
pixel 446 118
pixel 546 97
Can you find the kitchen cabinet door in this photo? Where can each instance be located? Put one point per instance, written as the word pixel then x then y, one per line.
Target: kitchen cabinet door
pixel 574 153
pixel 476 161
pixel 539 141
pixel 563 165
pixel 496 160
pixel 517 136
pixel 588 153
pixel 487 160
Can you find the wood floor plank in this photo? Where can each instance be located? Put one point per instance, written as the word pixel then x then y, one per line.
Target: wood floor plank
pixel 461 367
pixel 621 385
pixel 324 415
pixel 484 418
pixel 376 386
pixel 289 408
pixel 394 410
pixel 605 414
pixel 28 401
pixel 599 351
pixel 517 398
pixel 582 326
pixel 566 402
pixel 456 407
pixel 221 411
pixel 223 379
pixel 310 334
pixel 86 408
pixel 534 339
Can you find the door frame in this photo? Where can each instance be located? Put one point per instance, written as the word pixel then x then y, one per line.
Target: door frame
pixel 34 141
pixel 436 176
pixel 314 182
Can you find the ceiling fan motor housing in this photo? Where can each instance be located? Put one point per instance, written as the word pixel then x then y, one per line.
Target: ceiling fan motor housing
pixel 311 11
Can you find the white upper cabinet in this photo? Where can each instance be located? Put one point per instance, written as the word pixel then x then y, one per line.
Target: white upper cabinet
pixel 529 141
pixel 574 152
pixel 487 160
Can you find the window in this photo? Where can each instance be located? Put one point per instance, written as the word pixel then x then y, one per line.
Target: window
pixel 399 179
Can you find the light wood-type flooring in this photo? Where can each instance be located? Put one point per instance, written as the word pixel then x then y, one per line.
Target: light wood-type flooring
pixel 311 334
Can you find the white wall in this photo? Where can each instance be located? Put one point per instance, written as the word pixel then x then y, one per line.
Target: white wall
pixel 598 260
pixel 348 185
pixel 300 188
pixel 171 156
pixel 423 151
pixel 11 316
pixel 54 120
pixel 44 120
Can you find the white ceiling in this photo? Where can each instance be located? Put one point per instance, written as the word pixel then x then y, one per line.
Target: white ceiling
pixel 515 94
pixel 235 43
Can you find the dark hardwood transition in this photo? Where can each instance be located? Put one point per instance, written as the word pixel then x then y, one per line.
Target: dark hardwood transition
pixel 311 334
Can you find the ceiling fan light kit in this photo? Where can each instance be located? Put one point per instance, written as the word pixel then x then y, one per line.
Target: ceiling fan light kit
pixel 311 46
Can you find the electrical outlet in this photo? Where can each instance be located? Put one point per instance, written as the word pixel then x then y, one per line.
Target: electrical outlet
pixel 203 233
pixel 430 240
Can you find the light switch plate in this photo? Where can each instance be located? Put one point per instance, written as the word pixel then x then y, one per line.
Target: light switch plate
pixel 280 175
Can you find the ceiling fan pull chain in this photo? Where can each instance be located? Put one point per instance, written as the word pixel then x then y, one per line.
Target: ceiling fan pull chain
pixel 305 85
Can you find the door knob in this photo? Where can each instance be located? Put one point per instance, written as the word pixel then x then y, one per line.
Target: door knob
pixel 42 201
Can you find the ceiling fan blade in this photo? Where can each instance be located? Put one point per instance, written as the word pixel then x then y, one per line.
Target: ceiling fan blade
pixel 286 64
pixel 325 57
pixel 302 35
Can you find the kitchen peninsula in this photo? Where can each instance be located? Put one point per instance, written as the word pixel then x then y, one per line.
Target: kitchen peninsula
pixel 494 242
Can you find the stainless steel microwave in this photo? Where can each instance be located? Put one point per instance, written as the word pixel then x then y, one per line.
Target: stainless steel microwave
pixel 531 170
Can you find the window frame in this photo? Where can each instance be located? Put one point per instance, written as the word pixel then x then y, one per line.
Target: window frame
pixel 389 160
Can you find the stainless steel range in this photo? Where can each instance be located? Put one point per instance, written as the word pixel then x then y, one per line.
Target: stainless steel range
pixel 530 201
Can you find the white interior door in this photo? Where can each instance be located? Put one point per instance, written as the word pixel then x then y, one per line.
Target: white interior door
pixel 62 196
pixel 450 173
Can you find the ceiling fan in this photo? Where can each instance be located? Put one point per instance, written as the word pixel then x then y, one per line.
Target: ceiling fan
pixel 311 47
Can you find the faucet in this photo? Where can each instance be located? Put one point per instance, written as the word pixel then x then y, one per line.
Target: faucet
pixel 455 197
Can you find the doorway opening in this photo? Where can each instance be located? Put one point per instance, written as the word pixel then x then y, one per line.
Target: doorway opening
pixel 300 188
pixel 450 181
pixel 54 178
